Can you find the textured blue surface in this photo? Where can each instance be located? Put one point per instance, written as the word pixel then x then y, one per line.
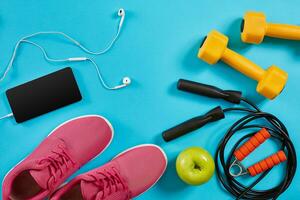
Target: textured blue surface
pixel 158 45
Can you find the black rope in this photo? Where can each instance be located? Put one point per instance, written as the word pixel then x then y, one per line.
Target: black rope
pixel 254 118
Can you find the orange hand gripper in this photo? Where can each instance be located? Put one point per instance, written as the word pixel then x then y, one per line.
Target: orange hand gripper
pixel 247 148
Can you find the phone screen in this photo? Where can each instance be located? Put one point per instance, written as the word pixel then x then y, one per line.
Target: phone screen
pixel 43 95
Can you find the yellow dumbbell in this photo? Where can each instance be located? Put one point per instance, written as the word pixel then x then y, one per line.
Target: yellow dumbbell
pixel 270 82
pixel 255 27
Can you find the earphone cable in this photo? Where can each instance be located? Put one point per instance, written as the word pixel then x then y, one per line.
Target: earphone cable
pixel 78 59
pixel 6 116
pixel 83 48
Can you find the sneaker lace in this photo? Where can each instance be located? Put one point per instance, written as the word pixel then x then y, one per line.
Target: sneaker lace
pixel 109 182
pixel 58 163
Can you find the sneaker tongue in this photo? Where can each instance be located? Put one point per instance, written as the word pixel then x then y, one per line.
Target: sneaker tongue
pixel 41 177
pixel 88 190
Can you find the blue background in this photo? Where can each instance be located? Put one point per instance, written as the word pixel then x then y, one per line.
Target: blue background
pixel 158 45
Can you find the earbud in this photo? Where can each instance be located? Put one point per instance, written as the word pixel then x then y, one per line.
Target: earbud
pixel 125 82
pixel 121 13
pixel 270 82
pixel 255 27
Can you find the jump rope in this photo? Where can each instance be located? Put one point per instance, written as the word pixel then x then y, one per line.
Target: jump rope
pixel 27 39
pixel 261 126
pixel 266 125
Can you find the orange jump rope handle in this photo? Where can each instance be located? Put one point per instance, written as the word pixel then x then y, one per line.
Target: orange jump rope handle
pixel 254 142
pixel 267 163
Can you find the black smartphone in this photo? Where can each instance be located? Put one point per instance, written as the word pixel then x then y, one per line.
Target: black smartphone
pixel 43 95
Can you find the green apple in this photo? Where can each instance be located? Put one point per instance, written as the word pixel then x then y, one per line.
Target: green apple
pixel 195 166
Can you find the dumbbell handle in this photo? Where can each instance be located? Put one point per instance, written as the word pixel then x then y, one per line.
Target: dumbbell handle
pixel 193 124
pixel 284 31
pixel 267 163
pixel 243 65
pixel 209 91
pixel 249 146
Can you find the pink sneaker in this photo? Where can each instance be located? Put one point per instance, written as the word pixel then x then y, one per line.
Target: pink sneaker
pixel 63 152
pixel 126 176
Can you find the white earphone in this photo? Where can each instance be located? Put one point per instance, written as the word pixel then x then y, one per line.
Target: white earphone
pixel 126 80
pixel 121 13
